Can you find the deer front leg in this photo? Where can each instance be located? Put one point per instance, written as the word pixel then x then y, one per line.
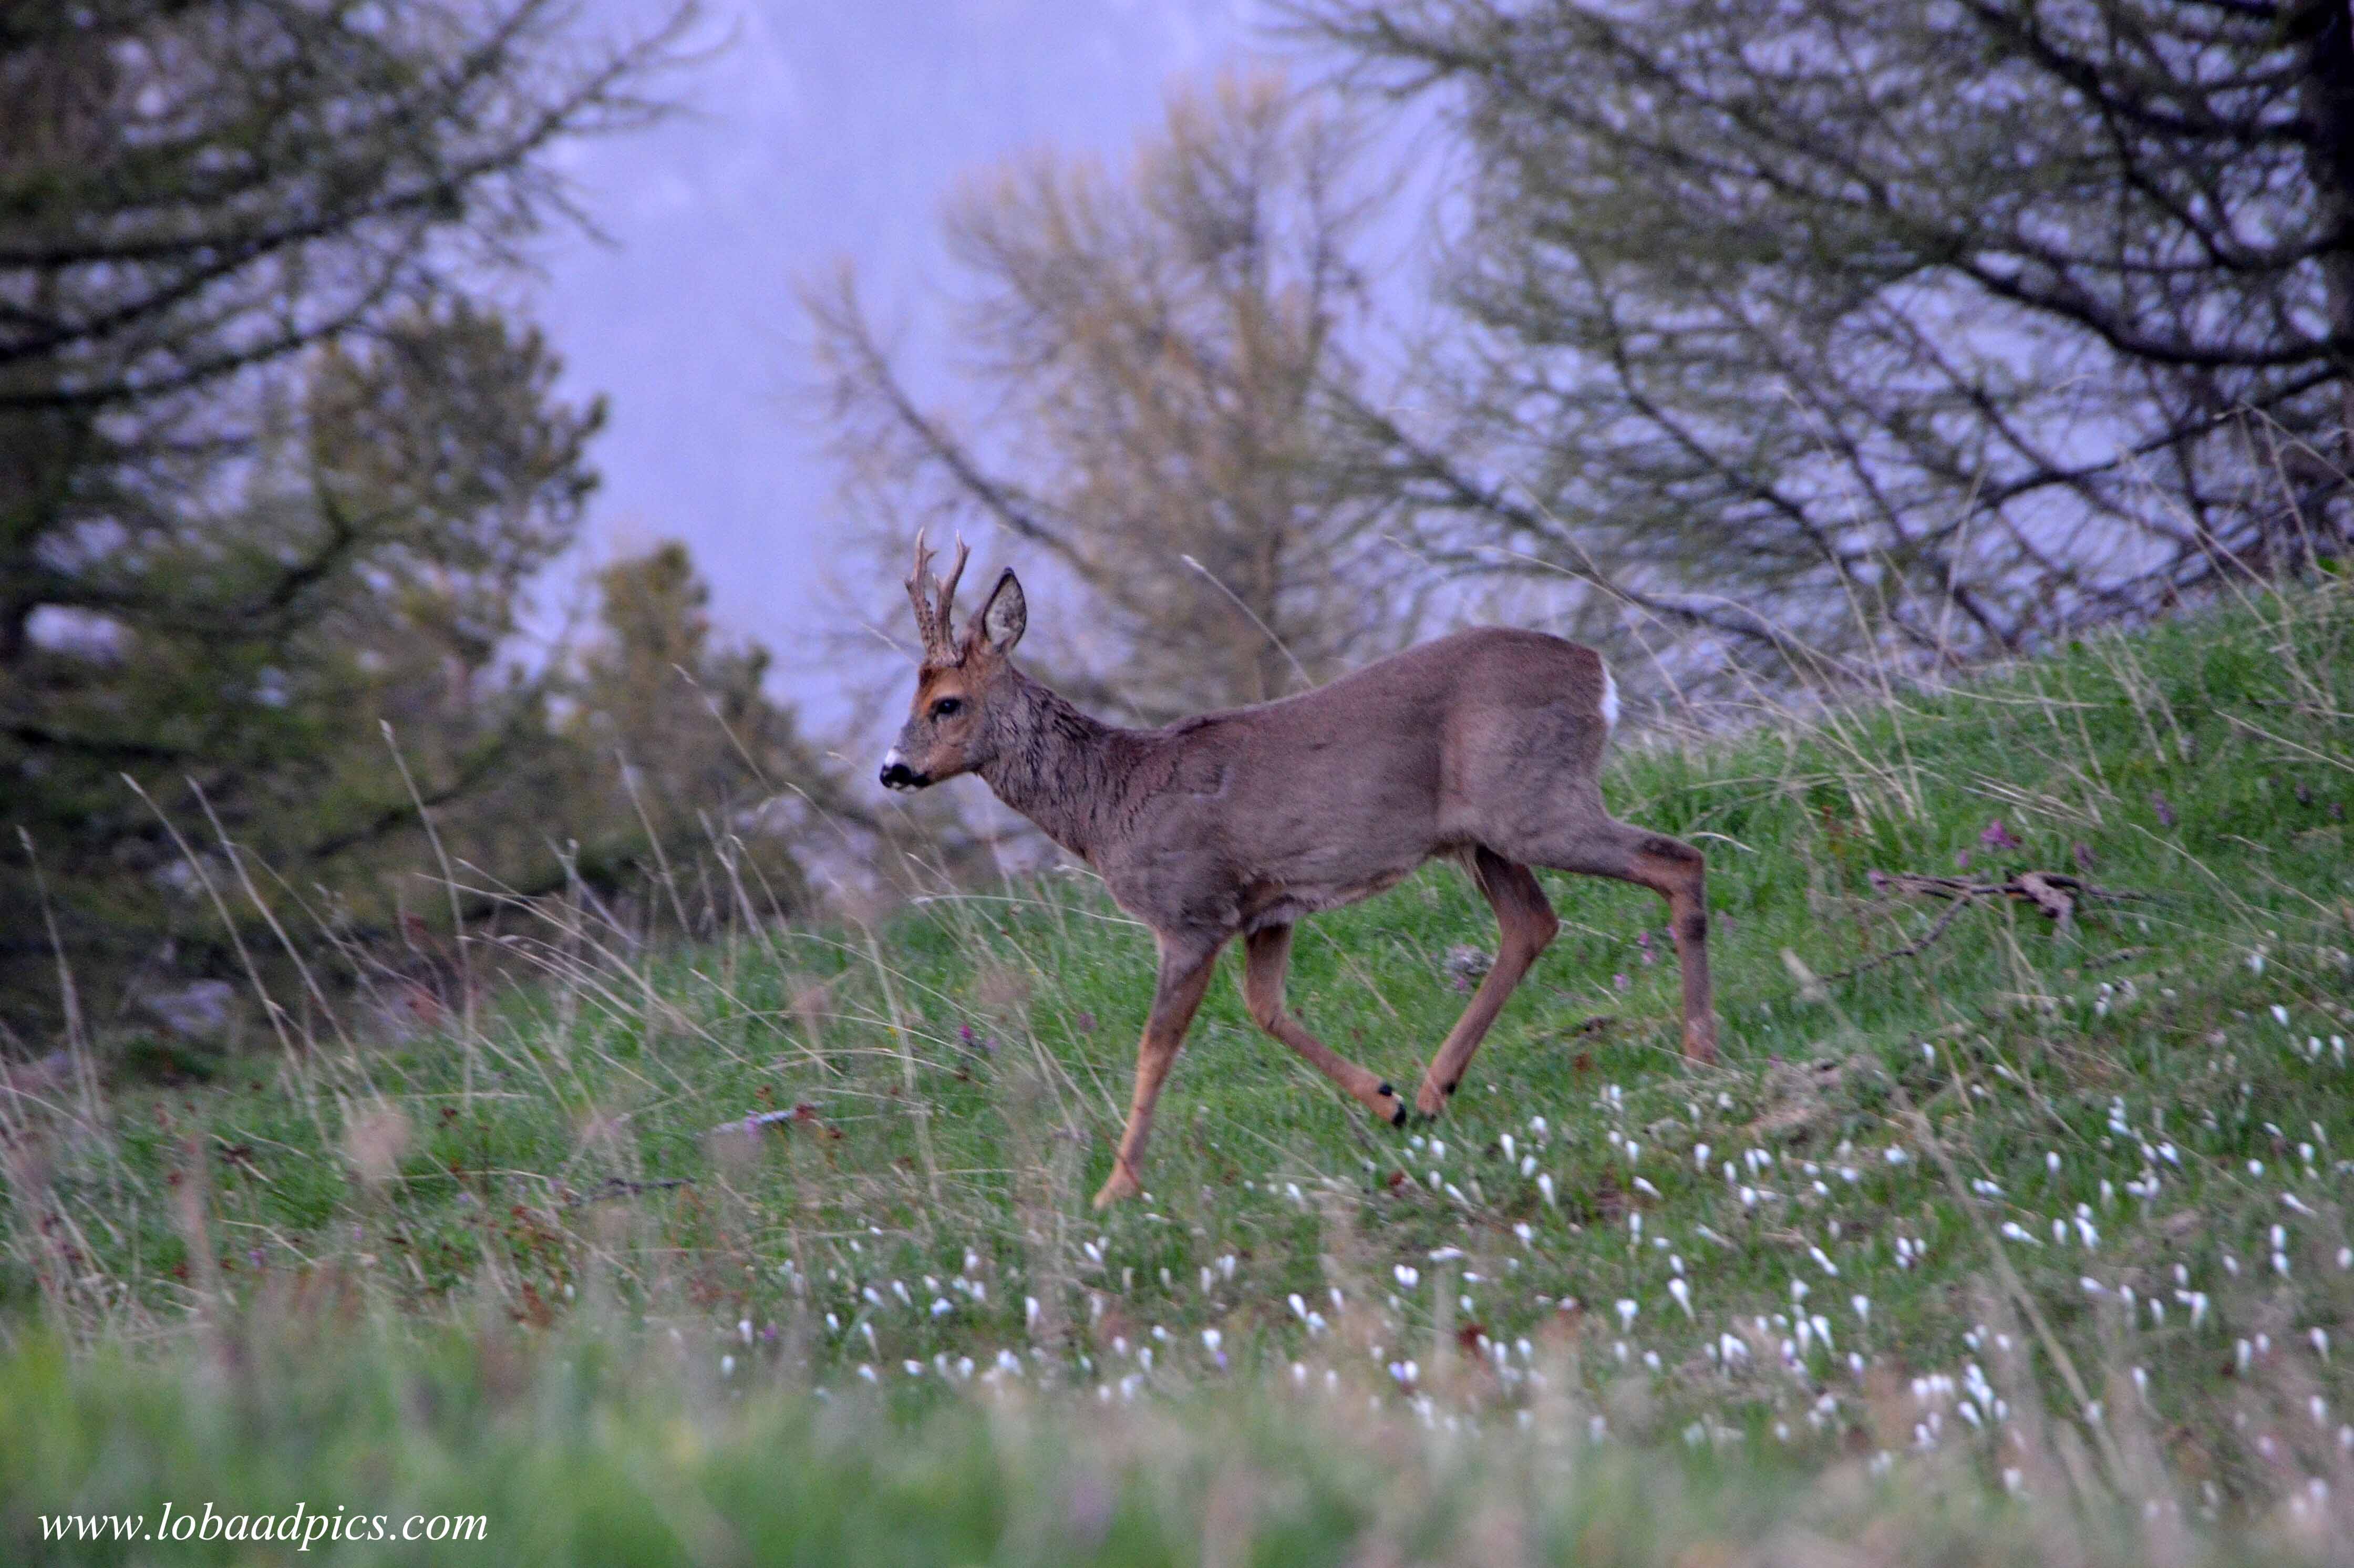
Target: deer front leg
pixel 1268 956
pixel 1525 924
pixel 1184 975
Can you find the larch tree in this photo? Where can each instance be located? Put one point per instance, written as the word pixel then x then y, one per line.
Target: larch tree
pixel 1149 406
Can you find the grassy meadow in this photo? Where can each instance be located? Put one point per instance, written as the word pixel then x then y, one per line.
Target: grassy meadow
pixel 2013 1222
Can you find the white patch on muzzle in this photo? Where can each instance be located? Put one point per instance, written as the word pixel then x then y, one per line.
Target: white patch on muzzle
pixel 891 760
pixel 1609 700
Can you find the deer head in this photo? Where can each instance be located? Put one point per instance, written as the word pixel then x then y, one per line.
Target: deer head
pixel 948 730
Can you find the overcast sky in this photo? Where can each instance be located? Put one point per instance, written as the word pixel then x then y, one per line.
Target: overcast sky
pixel 822 129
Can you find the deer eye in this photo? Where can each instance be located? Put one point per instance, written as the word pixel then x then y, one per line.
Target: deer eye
pixel 947 707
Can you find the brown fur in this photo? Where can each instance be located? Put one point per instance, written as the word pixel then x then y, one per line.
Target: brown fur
pixel 1483 746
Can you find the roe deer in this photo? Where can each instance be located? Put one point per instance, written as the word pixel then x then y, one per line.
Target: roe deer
pixel 1483 746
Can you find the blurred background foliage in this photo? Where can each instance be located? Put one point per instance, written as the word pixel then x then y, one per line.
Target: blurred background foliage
pixel 279 475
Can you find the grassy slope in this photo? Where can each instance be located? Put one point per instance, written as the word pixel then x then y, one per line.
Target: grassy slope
pixel 966 1065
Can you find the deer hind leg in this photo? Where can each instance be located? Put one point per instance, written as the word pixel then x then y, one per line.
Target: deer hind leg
pixel 1266 957
pixel 1525 924
pixel 1185 968
pixel 1677 872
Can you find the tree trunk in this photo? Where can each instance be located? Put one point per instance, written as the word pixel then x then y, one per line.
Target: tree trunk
pixel 2325 28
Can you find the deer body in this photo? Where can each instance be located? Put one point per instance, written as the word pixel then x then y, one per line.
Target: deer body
pixel 1253 817
pixel 1484 747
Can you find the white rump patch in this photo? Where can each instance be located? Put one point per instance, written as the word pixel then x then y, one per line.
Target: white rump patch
pixel 1609 700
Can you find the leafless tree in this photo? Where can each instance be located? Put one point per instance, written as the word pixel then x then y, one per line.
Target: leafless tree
pixel 1932 330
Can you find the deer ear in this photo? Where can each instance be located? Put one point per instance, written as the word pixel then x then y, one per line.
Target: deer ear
pixel 1005 616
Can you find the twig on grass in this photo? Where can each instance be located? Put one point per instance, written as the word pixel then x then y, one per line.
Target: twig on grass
pixel 1909 951
pixel 623 1187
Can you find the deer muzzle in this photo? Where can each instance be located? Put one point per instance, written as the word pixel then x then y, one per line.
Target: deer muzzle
pixel 897 775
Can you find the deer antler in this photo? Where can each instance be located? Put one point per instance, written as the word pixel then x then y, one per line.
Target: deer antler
pixel 947 595
pixel 927 627
pixel 933 621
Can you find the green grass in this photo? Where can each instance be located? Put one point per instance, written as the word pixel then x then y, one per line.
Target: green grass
pixel 577 1452
pixel 593 1458
pixel 1992 1141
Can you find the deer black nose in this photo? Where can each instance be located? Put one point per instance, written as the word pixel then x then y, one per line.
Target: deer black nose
pixel 897 775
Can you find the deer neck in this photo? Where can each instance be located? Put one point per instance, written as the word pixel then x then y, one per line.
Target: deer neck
pixel 1056 766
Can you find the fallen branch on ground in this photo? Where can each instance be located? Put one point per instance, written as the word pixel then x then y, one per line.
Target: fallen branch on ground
pixel 752 1125
pixel 2044 889
pixel 2053 893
